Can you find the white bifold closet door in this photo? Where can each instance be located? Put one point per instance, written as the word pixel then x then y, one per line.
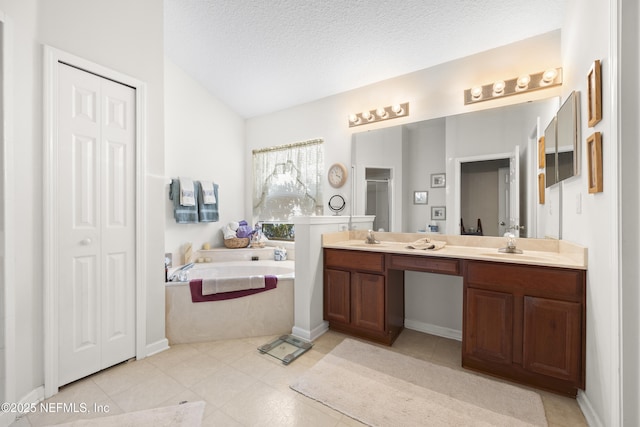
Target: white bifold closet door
pixel 96 211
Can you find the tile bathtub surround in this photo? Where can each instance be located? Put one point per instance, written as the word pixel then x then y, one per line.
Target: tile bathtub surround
pixel 242 387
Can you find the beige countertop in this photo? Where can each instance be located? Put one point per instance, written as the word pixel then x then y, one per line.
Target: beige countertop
pixel 543 252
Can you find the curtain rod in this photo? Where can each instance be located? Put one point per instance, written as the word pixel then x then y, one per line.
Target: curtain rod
pixel 288 146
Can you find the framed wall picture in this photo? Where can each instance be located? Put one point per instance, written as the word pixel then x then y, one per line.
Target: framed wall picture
pixel 420 197
pixel 541 188
pixel 541 153
pixel 594 162
pixel 594 92
pixel 438 180
pixel 438 213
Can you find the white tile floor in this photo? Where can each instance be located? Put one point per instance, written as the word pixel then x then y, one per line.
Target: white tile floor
pixel 243 387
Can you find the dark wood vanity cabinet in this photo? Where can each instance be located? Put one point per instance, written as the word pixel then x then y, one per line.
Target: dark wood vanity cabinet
pixel 525 323
pixel 361 297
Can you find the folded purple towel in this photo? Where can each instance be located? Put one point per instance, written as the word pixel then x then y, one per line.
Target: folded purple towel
pixel 195 285
pixel 244 231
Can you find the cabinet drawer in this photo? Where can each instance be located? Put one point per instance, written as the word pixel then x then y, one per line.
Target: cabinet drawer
pixel 425 263
pixel 531 280
pixel 354 260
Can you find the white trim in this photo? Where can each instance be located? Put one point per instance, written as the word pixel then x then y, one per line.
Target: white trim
pixel 613 163
pixel 9 221
pixel 157 347
pixel 432 329
pixel 50 234
pixel 587 410
pixel 310 335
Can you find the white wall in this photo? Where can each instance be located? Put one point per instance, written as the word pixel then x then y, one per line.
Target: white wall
pixel 433 92
pixel 585 38
pixel 121 35
pixel 204 140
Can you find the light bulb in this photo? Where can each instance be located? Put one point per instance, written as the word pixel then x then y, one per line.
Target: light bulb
pixel 523 81
pixel 476 92
pixel 498 87
pixel 381 112
pixel 397 109
pixel 549 75
pixel 353 118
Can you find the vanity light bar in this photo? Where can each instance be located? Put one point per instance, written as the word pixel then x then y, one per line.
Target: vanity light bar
pixel 379 114
pixel 521 84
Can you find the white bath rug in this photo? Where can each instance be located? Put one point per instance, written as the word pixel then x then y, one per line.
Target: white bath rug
pixel 184 415
pixel 381 388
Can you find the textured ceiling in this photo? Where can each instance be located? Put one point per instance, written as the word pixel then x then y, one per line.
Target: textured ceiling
pixel 262 56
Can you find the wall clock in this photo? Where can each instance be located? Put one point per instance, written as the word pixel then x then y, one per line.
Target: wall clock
pixel 337 175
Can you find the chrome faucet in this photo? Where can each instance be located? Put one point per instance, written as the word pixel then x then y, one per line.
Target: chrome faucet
pixel 371 239
pixel 511 245
pixel 181 273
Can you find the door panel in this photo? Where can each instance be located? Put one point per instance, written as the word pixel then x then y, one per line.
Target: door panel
pixel 96 207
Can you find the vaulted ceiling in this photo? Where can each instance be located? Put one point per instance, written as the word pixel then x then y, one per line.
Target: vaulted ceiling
pixel 263 56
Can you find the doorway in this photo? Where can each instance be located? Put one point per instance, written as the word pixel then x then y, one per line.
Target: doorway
pixel 484 195
pixel 94 280
pixel 378 197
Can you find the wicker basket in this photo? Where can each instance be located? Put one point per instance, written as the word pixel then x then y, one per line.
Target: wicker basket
pixel 236 242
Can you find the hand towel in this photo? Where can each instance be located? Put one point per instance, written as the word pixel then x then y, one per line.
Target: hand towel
pixel 187 192
pixel 228 232
pixel 208 196
pixel 182 214
pixel 207 212
pixel 427 243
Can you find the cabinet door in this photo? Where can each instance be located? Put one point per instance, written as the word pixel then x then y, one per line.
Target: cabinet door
pixel 552 338
pixel 489 325
pixel 337 296
pixel 368 301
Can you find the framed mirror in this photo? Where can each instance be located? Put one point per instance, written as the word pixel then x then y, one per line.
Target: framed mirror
pixel 416 152
pixel 550 170
pixel 567 146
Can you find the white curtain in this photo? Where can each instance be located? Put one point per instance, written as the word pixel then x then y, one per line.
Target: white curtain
pixel 287 181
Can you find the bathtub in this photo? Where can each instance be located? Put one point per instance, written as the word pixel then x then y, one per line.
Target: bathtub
pixel 264 313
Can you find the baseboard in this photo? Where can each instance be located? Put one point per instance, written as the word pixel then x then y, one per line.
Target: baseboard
pixel 587 410
pixel 428 328
pixel 310 335
pixel 34 397
pixel 157 347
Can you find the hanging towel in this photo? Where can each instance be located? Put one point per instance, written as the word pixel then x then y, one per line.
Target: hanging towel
pixel 182 214
pixel 208 195
pixel 195 285
pixel 231 284
pixel 187 192
pixel 207 212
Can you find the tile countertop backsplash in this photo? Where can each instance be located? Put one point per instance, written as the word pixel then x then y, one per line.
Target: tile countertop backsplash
pixel 544 252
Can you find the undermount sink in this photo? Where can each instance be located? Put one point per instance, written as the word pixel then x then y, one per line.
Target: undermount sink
pixel 369 245
pixel 513 256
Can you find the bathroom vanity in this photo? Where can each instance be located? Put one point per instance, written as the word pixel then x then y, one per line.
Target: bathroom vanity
pixel 523 314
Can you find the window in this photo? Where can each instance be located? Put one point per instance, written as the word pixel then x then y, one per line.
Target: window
pixel 287 181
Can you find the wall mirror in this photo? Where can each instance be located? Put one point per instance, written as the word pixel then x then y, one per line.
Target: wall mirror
pixel 550 171
pixel 479 142
pixel 561 143
pixel 567 146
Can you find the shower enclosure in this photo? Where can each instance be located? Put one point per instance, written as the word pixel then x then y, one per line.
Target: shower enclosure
pixel 378 197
